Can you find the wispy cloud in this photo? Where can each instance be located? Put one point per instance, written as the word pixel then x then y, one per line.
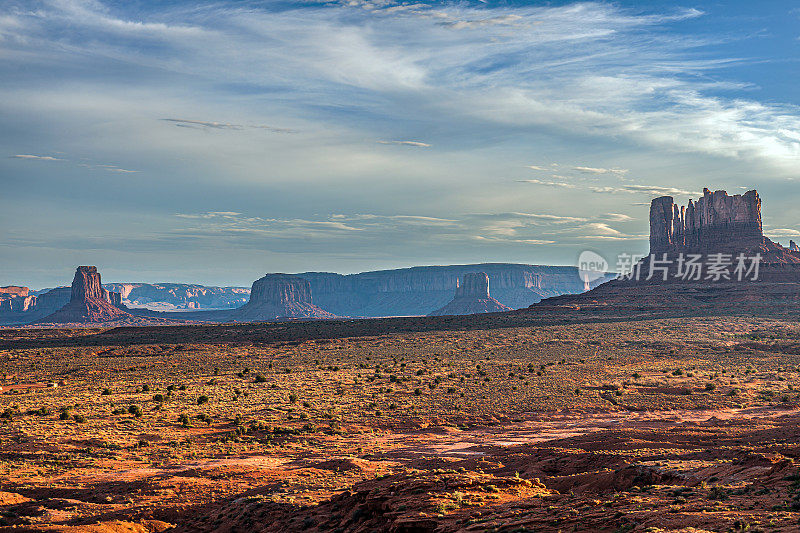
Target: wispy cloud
pixel 549 183
pixel 618 217
pixel 500 20
pixel 593 170
pixel 652 190
pixel 202 124
pixel 37 157
pixel 407 143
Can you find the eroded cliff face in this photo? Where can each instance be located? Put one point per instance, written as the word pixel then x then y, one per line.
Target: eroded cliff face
pixel 170 296
pixel 473 285
pixel 420 290
pixel 717 222
pixel 15 299
pixel 471 297
pixel 280 296
pixel 89 302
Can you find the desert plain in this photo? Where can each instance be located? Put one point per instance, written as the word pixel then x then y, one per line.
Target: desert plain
pixel 668 424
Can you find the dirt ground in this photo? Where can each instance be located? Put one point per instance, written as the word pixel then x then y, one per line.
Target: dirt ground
pixel 683 424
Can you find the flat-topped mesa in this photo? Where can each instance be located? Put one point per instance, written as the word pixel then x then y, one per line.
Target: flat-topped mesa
pixel 280 296
pixel 281 289
pixel 717 222
pixel 15 299
pixel 472 297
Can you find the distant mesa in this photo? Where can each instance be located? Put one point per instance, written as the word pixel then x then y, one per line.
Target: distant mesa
pixel 279 297
pixel 472 297
pixel 16 299
pixel 793 246
pixel 89 302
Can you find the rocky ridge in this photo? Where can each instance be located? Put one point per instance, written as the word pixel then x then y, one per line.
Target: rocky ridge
pixel 471 297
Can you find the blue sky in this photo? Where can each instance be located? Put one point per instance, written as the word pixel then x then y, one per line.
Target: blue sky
pixel 213 142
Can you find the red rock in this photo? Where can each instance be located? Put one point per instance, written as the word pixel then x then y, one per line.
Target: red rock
pixel 89 301
pixel 716 223
pixel 277 297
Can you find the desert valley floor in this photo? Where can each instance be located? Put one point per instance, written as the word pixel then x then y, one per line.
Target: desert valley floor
pixel 679 424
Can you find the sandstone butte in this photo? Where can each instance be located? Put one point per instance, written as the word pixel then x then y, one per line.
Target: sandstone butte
pixel 717 223
pixel 472 297
pixel 279 296
pixel 89 302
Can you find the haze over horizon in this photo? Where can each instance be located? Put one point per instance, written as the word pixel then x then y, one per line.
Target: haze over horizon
pixel 213 142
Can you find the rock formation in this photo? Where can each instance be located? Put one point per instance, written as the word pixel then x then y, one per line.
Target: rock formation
pixel 793 246
pixel 716 223
pixel 171 296
pixel 89 302
pixel 15 299
pixel 472 297
pixel 720 228
pixel 279 297
pixel 417 290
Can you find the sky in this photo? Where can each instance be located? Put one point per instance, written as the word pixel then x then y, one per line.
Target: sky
pixel 212 142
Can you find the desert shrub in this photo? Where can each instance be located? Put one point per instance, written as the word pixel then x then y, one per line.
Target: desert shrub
pixel 293 398
pixel 417 392
pixel 106 392
pixel 182 387
pixel 260 378
pixel 710 387
pixel 145 388
pixel 64 415
pixel 80 419
pixel 135 410
pixel 183 418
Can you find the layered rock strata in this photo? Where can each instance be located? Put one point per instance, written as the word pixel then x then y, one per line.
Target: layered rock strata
pixel 280 297
pixel 89 302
